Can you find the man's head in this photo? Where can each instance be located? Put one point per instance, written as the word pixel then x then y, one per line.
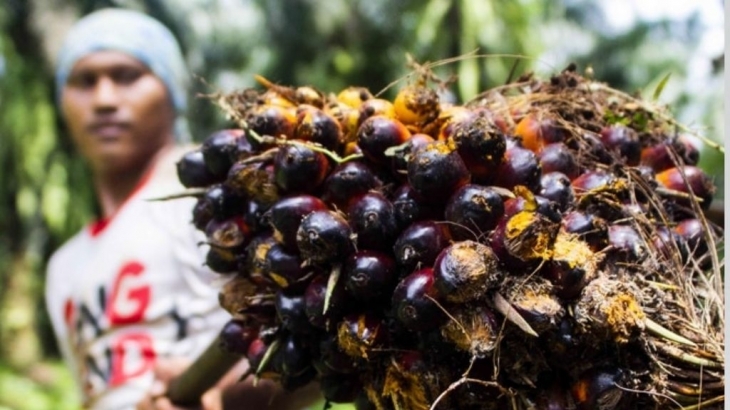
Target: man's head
pixel 121 84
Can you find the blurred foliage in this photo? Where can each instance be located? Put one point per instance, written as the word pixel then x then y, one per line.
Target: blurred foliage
pixel 46 190
pixel 42 387
pixel 46 194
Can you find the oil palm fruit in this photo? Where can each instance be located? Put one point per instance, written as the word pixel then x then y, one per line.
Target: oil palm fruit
pixel 541 246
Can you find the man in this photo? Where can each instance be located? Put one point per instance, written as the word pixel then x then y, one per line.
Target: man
pixel 129 297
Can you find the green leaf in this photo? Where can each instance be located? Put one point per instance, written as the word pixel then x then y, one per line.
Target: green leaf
pixel 660 87
pixel 615 118
pixel 639 121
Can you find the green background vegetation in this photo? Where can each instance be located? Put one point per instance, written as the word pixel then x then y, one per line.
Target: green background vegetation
pixel 44 189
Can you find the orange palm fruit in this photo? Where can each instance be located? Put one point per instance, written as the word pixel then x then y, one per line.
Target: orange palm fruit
pixel 416 104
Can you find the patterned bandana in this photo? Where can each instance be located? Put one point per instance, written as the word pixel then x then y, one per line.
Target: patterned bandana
pixel 138 35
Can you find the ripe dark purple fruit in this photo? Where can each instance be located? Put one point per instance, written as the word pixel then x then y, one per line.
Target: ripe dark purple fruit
pixel 410 208
pixel 286 215
pixel 556 187
pixel 420 243
pixel 377 134
pixel 270 120
pixel 399 161
pixel 293 356
pixel 372 218
pixel 347 182
pixel 689 179
pixel 291 312
pixel 595 150
pixel 626 241
pixel 299 169
pixel 480 144
pixel 220 151
pixel 221 260
pixel 317 126
pixel 224 202
pixel 254 215
pixel 497 243
pixel 589 227
pixel 659 156
pixel 435 171
pixel 413 301
pixel 592 180
pixel 194 173
pixel 557 157
pixel 519 167
pixel 283 267
pixel 473 211
pixel 236 336
pixel 453 116
pixel 202 213
pixel 369 275
pixel 465 270
pixel 624 141
pixel 545 207
pixel 314 297
pixel 324 236
pixel 243 149
pixel 568 281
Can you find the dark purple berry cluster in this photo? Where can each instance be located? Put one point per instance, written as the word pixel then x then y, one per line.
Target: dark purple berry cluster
pixel 387 250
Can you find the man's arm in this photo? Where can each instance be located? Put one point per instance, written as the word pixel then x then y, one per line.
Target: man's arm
pixel 229 393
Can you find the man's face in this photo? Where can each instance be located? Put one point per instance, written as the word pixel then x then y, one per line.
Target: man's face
pixel 119 113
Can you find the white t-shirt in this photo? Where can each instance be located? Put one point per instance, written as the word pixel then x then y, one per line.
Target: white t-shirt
pixel 131 289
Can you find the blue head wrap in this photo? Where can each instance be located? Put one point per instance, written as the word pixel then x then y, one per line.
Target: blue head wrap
pixel 138 35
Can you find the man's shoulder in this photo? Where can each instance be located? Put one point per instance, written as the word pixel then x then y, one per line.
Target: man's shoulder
pixel 72 245
pixel 68 253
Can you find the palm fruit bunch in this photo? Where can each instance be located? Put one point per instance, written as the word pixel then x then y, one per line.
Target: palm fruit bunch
pixel 543 246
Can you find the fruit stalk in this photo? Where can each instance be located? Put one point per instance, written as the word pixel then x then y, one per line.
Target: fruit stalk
pixel 202 374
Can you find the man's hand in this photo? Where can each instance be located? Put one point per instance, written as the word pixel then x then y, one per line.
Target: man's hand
pixel 165 371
